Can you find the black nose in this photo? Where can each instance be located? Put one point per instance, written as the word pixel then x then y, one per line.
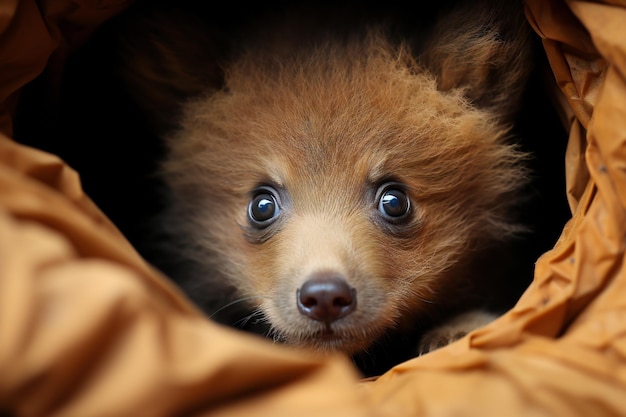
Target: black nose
pixel 326 297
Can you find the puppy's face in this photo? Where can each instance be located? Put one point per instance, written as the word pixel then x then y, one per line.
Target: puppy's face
pixel 335 195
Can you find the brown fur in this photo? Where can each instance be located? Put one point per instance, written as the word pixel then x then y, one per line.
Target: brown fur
pixel 326 125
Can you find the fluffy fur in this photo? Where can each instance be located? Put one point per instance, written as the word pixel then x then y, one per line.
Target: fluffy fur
pixel 324 123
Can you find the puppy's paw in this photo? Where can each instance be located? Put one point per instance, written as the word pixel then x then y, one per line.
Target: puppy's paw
pixel 454 329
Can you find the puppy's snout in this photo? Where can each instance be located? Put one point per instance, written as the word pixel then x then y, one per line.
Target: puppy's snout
pixel 326 297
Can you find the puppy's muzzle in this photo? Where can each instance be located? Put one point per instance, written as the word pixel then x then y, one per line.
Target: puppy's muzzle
pixel 326 297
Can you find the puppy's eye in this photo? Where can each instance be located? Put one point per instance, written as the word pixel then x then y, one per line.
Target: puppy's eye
pixel 263 208
pixel 393 202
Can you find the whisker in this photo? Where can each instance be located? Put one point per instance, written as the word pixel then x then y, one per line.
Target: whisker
pixel 273 334
pixel 256 313
pixel 237 301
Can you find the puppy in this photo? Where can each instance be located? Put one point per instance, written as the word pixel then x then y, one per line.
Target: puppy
pixel 336 184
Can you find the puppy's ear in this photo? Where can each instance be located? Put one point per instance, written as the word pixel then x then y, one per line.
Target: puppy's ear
pixel 165 57
pixel 484 48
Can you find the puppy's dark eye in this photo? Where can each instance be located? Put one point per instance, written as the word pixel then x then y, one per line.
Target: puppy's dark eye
pixel 263 208
pixel 393 202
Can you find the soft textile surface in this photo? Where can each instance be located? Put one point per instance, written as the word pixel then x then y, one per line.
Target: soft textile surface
pixel 87 328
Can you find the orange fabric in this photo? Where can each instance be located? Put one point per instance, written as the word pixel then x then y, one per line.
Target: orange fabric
pixel 88 328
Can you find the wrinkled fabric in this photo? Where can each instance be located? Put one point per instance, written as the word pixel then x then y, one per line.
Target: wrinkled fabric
pixel 88 328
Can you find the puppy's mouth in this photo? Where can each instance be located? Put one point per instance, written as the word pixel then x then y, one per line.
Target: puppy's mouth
pixel 330 339
pixel 328 342
pixel 326 334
